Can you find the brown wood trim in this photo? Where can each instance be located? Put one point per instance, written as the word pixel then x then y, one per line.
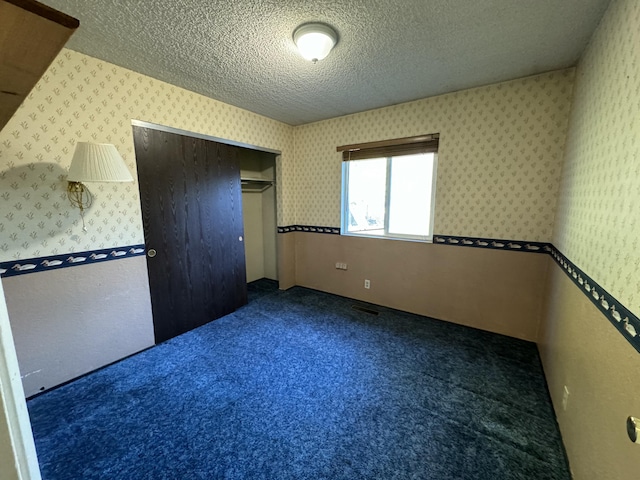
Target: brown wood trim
pixel 46 12
pixel 389 143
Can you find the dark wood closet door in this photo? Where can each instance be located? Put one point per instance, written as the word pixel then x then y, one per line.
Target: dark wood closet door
pixel 192 214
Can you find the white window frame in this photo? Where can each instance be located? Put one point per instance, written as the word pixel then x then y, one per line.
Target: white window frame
pixel 344 217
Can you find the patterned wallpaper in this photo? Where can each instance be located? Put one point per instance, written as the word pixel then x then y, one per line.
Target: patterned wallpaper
pixel 500 156
pixel 598 221
pixel 81 98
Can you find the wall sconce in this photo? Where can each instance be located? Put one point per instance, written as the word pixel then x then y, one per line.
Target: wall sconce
pixel 315 40
pixel 93 162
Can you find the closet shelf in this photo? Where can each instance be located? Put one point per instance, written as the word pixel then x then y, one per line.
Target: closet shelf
pixel 255 184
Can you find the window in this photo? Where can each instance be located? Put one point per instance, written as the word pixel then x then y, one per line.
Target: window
pixel 388 188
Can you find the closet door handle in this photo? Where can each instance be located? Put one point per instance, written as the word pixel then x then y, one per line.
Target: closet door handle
pixel 240 238
pixel 151 253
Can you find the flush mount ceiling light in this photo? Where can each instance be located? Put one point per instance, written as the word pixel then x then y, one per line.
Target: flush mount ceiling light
pixel 315 40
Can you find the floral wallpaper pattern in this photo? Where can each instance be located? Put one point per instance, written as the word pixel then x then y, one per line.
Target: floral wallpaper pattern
pixel 499 164
pixel 598 221
pixel 81 98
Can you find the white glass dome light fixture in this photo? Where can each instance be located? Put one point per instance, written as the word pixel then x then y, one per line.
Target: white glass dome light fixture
pixel 315 40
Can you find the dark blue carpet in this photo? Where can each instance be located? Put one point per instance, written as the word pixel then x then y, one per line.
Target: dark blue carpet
pixel 298 385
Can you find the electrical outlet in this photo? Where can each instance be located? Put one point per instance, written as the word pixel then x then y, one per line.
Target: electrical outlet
pixel 341 266
pixel 565 398
pixel 367 284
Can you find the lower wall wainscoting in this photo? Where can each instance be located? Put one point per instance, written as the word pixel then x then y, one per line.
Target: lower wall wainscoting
pixel 625 321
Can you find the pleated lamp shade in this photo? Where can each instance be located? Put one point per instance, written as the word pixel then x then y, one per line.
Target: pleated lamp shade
pixel 98 162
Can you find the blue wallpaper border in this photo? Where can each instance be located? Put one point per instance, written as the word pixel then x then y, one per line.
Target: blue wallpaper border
pixel 493 243
pixel 54 262
pixel 309 228
pixel 618 315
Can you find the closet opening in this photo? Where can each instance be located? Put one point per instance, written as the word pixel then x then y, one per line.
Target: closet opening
pixel 257 178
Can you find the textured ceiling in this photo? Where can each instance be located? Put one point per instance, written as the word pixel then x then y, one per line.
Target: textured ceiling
pixel 242 52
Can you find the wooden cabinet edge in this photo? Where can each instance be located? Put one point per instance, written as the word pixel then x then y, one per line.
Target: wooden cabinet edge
pixel 47 12
pixel 22 71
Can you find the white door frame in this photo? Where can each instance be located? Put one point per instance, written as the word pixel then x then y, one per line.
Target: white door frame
pixel 16 437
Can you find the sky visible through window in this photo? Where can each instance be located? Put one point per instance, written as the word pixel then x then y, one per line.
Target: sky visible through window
pixel 409 195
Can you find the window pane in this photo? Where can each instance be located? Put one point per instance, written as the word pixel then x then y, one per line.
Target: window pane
pixel 410 194
pixel 366 195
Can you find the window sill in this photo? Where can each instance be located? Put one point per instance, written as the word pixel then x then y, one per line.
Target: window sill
pixel 388 237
